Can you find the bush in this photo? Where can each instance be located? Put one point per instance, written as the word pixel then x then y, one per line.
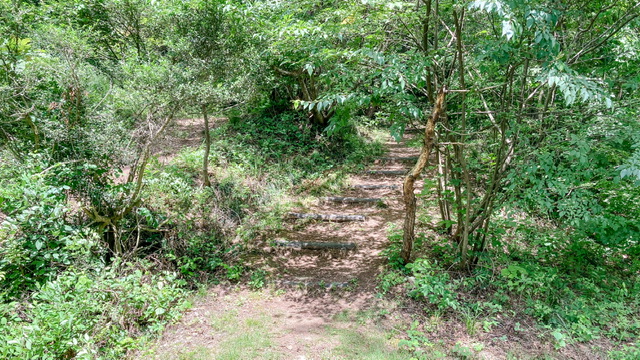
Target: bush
pixel 85 316
pixel 434 285
pixel 38 239
pixel 289 140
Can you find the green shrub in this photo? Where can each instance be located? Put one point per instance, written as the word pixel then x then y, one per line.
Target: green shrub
pixel 390 279
pixel 434 285
pixel 199 221
pixel 288 139
pixel 86 316
pixel 628 352
pixel 37 238
pixel 584 304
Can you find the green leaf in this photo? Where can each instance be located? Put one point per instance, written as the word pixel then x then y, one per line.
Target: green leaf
pixel 507 29
pixel 309 69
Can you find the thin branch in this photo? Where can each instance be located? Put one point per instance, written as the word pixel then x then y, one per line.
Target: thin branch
pixel 287 73
pixel 602 39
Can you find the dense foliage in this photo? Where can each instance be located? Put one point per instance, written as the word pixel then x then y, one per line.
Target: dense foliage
pixel 536 164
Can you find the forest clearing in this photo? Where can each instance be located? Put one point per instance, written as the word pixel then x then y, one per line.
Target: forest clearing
pixel 319 179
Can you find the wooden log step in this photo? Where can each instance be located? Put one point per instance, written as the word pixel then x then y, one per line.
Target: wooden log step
pixel 387 172
pixel 327 285
pixel 314 245
pixel 399 158
pixel 413 130
pixel 351 200
pixel 376 187
pixel 327 217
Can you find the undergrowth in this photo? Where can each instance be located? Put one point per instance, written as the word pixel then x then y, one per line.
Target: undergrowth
pixel 88 315
pixel 58 297
pixel 571 289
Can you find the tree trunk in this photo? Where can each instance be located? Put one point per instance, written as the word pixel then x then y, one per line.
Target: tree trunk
pixel 109 237
pixel 409 181
pixel 443 204
pixel 464 245
pixel 207 148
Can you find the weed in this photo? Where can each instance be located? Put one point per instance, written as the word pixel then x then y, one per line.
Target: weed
pixel 257 280
pixel 560 339
pixel 487 325
pixel 433 284
pixel 416 341
pixel 462 352
pixel 234 272
pixel 389 280
pixel 470 321
pixel 628 352
pixel 66 311
pixel 352 285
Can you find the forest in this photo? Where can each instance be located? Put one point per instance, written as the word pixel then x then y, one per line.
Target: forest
pixel 319 179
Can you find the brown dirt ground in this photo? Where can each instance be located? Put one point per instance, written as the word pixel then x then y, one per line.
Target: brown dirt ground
pixel 341 267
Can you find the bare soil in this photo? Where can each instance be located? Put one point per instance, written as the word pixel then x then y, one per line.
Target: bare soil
pixel 357 268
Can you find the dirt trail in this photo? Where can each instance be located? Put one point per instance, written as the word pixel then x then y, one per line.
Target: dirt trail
pixel 346 268
pixel 322 303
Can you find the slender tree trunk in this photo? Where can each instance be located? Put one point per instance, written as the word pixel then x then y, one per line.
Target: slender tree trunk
pixel 207 148
pixel 443 203
pixel 410 179
pixel 425 27
pixel 109 237
pixel 464 245
pixel 34 128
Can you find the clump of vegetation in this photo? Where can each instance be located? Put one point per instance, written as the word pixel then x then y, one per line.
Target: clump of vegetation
pixel 86 315
pixel 572 293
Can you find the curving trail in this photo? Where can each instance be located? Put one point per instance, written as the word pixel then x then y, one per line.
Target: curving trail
pixel 323 302
pixel 363 238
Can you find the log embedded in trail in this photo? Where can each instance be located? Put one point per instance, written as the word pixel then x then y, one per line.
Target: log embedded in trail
pixel 351 199
pixel 409 181
pixel 327 217
pixel 312 245
pixel 387 172
pixel 328 285
pixel 399 158
pixel 375 187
